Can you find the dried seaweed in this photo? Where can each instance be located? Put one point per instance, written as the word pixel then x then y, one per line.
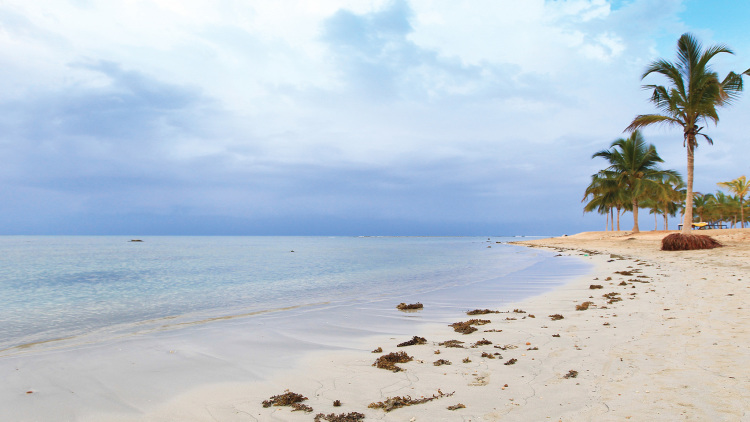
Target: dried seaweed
pixel 467 360
pixel 481 312
pixel 286 399
pixel 571 374
pixel 465 327
pixel 519 311
pixel 378 350
pixel 613 297
pixel 341 417
pixel 507 347
pixel 452 343
pixel 299 407
pixel 456 407
pixel 596 286
pixel 337 403
pixel 482 342
pixel 409 307
pixel 393 403
pixel 414 341
pixel 512 361
pixel 556 317
pixel 390 360
pixel 487 355
pixel 583 306
pixel 440 362
pixel 496 330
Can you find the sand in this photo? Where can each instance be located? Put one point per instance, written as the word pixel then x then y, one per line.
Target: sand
pixel 675 347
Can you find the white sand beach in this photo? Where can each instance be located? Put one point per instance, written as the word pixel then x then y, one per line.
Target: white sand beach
pixel 676 347
pixel 674 344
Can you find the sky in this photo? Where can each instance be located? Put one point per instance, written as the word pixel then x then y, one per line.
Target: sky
pixel 338 117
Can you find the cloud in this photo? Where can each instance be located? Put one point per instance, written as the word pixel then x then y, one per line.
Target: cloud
pixel 327 117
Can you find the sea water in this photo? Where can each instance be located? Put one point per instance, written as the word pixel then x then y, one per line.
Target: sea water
pixel 57 291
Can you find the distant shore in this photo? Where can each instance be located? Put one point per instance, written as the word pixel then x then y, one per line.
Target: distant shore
pixel 666 337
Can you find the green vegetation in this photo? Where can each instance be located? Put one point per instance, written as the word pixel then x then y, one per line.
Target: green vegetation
pixel 691 98
pixel 633 180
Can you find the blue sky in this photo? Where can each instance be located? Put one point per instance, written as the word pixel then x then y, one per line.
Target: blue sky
pixel 336 117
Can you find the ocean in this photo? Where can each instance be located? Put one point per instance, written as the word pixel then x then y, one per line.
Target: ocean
pixel 62 292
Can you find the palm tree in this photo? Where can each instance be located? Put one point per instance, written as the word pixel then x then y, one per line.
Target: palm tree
pixel 633 165
pixel 666 197
pixel 701 204
pixel 606 194
pixel 691 99
pixel 739 187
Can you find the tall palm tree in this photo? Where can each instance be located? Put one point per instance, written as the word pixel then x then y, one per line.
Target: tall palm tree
pixel 739 187
pixel 691 99
pixel 634 165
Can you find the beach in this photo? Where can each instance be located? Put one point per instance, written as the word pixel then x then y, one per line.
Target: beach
pixel 665 337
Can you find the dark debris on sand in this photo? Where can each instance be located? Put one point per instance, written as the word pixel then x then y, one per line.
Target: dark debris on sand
pixel 556 317
pixel 390 360
pixel 414 341
pixel 409 307
pixel 466 327
pixel 481 312
pixel 341 417
pixel 393 403
pixel 452 343
pixel 287 399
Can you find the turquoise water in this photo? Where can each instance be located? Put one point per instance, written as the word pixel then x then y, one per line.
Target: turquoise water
pixel 54 288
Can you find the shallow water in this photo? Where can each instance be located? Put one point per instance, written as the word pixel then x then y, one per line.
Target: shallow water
pixel 66 290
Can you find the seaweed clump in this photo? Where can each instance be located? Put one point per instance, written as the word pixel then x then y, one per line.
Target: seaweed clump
pixel 612 297
pixel 452 343
pixel 571 374
pixel 456 407
pixel 583 306
pixel 465 327
pixel 287 399
pixel 390 360
pixel 688 242
pixel 481 312
pixel 341 417
pixel 414 341
pixel 556 317
pixel 441 362
pixel 409 307
pixel 393 403
pixel 482 342
pixel 596 286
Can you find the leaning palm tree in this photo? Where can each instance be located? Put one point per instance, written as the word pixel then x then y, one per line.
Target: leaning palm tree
pixel 694 94
pixel 739 187
pixel 634 165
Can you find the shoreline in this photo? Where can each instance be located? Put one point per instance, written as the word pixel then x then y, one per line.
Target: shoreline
pixel 677 346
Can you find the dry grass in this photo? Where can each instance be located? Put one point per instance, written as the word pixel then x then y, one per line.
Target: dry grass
pixel 688 242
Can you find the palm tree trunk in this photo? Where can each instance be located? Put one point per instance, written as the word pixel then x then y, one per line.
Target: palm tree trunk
pixel 612 219
pixel 666 221
pixel 635 217
pixel 618 219
pixel 656 226
pixel 742 214
pixel 687 223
